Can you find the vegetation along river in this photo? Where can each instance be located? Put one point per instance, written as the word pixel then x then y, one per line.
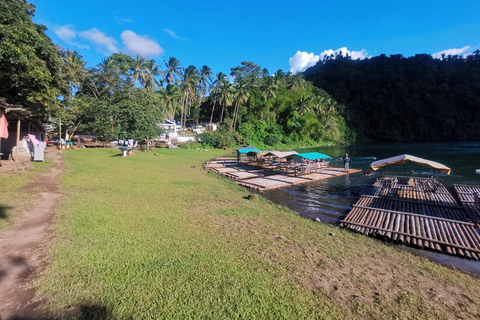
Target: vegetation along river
pixel 331 199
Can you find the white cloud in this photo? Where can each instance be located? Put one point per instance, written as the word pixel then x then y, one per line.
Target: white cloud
pixel 141 45
pixel 303 60
pixel 452 52
pixel 99 38
pixel 65 33
pixel 172 34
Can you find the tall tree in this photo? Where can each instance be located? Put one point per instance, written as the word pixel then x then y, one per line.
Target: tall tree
pixel 190 81
pixel 29 61
pixel 241 94
pixel 206 76
pixel 220 79
pixel 137 67
pixel 248 71
pixel 268 87
pixel 174 69
pixel 171 97
pixel 73 70
pixel 150 71
pixel 226 96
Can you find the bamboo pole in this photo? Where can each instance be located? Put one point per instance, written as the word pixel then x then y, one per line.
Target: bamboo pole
pixel 443 243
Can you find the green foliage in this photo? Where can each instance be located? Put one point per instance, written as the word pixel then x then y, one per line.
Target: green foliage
pixel 208 140
pixel 29 62
pixel 397 98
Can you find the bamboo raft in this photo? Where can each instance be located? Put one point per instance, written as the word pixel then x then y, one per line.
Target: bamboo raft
pixel 266 178
pixel 466 194
pixel 419 212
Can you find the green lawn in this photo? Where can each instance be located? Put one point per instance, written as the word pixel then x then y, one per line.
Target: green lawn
pixel 12 201
pixel 157 237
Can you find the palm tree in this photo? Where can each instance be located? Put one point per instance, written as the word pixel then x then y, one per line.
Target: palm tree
pixel 206 76
pixel 268 87
pixel 221 78
pixel 241 94
pixel 174 69
pixel 150 70
pixel 304 104
pixel 75 70
pixel 171 97
pixel 295 81
pixel 225 96
pixel 190 81
pixel 137 69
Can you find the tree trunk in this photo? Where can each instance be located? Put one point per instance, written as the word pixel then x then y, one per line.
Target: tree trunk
pixel 221 116
pixel 213 108
pixel 181 114
pixel 235 115
pixel 199 104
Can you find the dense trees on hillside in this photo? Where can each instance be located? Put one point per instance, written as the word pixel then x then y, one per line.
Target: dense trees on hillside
pixel 397 98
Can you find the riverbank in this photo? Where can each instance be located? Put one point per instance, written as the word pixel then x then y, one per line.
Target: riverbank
pixel 159 236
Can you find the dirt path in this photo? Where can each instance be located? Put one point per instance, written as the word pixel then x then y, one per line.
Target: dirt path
pixel 23 248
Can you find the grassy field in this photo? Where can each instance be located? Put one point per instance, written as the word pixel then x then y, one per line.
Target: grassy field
pixel 13 202
pixel 157 237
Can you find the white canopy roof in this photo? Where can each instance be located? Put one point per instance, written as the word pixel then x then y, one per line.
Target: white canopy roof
pixel 401 159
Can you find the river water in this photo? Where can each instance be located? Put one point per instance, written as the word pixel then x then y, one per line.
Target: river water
pixel 331 199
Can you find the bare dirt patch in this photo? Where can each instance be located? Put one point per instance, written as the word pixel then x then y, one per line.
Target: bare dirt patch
pixel 23 248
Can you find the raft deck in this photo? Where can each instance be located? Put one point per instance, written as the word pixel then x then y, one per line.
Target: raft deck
pixel 415 211
pixel 466 194
pixel 267 178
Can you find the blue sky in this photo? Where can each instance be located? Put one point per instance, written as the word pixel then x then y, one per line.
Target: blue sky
pixel 287 35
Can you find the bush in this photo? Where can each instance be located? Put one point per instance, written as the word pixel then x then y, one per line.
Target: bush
pixel 208 139
pixel 271 140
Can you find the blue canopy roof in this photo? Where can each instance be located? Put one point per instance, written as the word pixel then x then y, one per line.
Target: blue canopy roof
pixel 311 156
pixel 242 151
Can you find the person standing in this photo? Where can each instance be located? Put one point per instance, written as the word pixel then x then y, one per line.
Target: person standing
pixel 346 162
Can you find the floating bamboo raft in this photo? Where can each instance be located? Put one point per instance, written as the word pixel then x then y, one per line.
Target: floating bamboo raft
pixel 466 194
pixel 262 179
pixel 418 212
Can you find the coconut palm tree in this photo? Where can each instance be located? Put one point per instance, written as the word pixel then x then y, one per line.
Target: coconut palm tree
pixel 74 70
pixel 150 70
pixel 137 69
pixel 206 76
pixel 190 81
pixel 221 78
pixel 241 94
pixel 304 104
pixel 171 97
pixel 268 87
pixel 174 69
pixel 226 96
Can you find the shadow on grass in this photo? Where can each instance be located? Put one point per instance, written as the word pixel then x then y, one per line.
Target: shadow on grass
pixel 116 155
pixel 81 312
pixel 3 212
pixel 89 312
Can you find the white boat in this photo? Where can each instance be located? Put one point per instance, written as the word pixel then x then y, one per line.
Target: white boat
pixel 477 171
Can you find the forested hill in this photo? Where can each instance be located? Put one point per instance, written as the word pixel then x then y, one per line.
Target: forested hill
pixel 405 99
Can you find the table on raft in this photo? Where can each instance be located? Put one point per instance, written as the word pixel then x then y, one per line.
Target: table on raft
pixel 262 179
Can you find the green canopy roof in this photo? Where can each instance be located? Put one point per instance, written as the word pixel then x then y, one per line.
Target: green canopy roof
pixel 242 151
pixel 311 156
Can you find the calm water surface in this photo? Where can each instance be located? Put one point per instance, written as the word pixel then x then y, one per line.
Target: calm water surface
pixel 331 199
